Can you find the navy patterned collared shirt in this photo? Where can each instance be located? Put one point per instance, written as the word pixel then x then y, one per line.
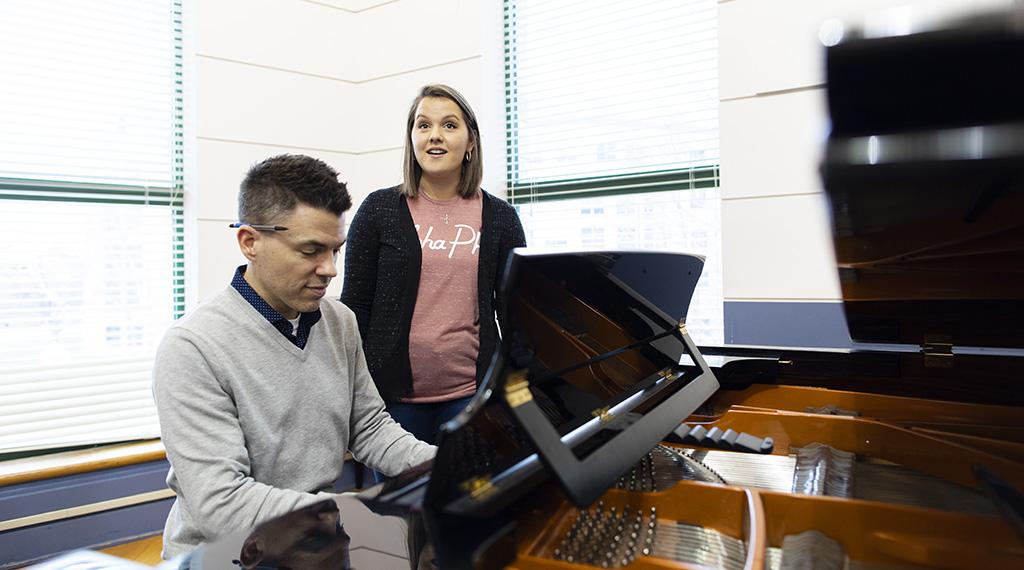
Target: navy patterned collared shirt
pixel 306 320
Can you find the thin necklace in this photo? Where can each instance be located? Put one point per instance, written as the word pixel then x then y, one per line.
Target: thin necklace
pixel 439 203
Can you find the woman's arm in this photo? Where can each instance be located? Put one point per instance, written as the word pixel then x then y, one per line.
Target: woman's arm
pixel 512 236
pixel 361 254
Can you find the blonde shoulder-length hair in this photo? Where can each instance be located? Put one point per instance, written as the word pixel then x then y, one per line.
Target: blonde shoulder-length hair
pixel 472 171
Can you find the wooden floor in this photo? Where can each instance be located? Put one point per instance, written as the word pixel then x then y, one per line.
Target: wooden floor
pixel 145 551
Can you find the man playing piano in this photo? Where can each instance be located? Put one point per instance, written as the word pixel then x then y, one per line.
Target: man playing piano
pixel 262 389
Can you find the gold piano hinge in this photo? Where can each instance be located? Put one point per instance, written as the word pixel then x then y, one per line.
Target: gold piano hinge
pixel 478 487
pixel 602 414
pixel 666 374
pixel 517 389
pixel 938 351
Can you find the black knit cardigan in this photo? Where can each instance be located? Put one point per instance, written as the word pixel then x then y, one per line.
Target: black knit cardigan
pixel 382 276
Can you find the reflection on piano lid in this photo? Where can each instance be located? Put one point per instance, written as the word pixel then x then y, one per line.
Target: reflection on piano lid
pixel 923 172
pixel 333 534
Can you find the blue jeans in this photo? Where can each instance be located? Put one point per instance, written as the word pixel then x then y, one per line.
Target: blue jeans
pixel 423 420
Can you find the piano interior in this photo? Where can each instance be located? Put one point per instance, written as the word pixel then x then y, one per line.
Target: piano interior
pixel 565 459
pixel 604 437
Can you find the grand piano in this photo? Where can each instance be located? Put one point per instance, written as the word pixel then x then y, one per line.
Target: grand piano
pixel 604 437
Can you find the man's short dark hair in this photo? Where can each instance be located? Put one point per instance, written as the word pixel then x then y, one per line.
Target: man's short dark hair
pixel 272 188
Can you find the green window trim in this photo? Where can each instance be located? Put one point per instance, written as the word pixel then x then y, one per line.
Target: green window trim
pixel 177 207
pixel 615 185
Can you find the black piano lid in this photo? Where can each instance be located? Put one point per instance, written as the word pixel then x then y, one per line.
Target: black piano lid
pixel 924 173
pixel 592 342
pixel 591 359
pixel 585 382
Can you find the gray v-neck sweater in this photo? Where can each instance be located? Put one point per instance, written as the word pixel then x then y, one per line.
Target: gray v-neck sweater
pixel 255 427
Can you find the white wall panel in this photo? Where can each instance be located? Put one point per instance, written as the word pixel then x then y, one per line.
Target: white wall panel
pixel 770 45
pixel 224 164
pixel 778 248
pixel 373 171
pixel 318 39
pixel 252 104
pixel 765 45
pixel 380 107
pixel 772 145
pixel 411 34
pixel 354 5
pixel 286 34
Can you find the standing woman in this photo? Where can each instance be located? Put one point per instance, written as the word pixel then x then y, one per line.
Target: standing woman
pixel 422 266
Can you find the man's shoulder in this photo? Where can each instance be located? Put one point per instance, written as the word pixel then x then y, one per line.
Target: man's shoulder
pixel 339 323
pixel 335 311
pixel 223 309
pixel 200 331
pixel 333 306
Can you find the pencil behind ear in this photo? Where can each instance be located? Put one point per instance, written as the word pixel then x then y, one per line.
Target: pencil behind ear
pixel 247 237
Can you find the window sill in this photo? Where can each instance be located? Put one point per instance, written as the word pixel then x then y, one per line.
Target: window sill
pixel 66 463
pixel 82 461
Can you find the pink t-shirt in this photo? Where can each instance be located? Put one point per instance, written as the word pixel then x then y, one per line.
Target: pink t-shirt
pixel 444 339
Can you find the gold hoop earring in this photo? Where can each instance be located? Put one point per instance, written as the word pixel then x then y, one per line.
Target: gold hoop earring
pixel 469 156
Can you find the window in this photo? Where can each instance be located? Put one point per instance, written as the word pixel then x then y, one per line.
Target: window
pixel 612 129
pixel 92 264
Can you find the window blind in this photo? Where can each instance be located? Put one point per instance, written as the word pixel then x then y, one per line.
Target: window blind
pixel 91 192
pixel 601 89
pixel 612 131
